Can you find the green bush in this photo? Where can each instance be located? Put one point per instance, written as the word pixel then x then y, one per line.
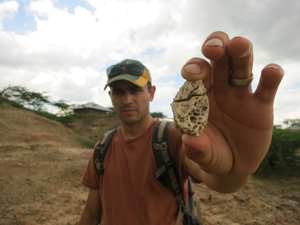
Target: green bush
pixel 86 142
pixel 158 115
pixel 283 157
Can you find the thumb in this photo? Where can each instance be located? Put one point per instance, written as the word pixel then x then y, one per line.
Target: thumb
pixel 198 149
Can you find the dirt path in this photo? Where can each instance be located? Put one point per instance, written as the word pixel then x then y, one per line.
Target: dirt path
pixel 41 166
pixel 259 202
pixel 40 184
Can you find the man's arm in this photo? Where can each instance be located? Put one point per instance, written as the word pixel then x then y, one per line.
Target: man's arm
pixel 92 212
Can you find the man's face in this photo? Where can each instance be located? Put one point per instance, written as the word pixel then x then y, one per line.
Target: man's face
pixel 131 102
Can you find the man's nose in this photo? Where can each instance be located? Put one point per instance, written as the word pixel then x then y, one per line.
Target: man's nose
pixel 127 98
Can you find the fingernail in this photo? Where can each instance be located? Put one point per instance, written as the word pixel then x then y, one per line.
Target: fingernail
pixel 192 68
pixel 272 66
pixel 214 42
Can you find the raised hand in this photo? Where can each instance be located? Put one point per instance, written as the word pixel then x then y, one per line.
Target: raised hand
pixel 239 130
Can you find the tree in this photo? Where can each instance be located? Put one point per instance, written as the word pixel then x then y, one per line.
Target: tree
pixel 112 109
pixel 25 97
pixel 63 107
pixel 61 104
pixel 158 115
pixel 289 121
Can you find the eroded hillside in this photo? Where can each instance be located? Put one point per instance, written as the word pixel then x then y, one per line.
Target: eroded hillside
pixel 41 165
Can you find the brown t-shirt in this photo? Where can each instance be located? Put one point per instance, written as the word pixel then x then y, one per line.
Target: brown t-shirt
pixel 129 191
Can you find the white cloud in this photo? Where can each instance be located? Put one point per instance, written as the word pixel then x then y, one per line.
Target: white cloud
pixel 8 9
pixel 68 52
pixel 165 92
pixel 42 7
pixel 287 104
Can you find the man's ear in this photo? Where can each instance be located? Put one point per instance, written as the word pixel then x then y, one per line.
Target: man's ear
pixel 152 92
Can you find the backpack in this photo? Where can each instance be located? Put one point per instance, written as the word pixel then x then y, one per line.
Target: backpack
pixel 166 172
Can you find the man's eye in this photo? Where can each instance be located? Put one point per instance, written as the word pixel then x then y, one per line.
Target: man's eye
pixel 136 89
pixel 115 92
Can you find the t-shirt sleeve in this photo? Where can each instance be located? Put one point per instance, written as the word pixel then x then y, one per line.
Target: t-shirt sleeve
pixel 90 178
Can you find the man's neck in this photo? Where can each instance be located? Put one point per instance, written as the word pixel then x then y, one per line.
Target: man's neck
pixel 131 131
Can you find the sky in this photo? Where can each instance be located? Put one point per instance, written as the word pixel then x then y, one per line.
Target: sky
pixel 63 47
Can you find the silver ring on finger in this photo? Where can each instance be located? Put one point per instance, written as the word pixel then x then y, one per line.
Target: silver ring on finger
pixel 241 82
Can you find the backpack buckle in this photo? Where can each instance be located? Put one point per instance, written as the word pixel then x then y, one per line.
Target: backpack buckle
pixel 183 207
pixel 99 167
pixel 177 191
pixel 100 148
pixel 161 146
pixel 169 165
pixel 101 170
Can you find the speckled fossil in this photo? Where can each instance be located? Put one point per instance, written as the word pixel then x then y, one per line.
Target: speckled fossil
pixel 191 108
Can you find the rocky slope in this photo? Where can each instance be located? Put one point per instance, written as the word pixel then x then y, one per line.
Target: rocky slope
pixel 41 165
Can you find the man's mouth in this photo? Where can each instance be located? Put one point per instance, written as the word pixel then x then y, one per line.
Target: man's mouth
pixel 129 109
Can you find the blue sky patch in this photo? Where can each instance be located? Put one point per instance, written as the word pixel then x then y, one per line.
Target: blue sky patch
pixel 153 51
pixel 296 85
pixel 71 5
pixel 22 21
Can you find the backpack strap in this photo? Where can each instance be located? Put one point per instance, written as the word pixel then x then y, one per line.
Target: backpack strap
pixel 101 150
pixel 166 172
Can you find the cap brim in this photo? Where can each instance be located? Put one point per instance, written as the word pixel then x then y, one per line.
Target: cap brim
pixel 139 81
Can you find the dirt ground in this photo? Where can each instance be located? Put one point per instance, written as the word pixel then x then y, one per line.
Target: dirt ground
pixel 41 165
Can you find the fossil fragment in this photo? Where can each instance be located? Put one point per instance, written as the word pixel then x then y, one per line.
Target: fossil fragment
pixel 190 108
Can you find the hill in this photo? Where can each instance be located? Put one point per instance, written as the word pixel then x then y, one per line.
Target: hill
pixel 41 165
pixel 24 127
pixel 92 126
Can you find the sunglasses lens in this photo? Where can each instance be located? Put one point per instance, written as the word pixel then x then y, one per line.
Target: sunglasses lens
pixel 115 70
pixel 136 70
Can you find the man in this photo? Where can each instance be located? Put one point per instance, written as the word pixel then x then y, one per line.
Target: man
pixel 230 149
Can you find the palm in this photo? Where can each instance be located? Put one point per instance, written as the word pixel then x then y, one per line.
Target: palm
pixel 243 127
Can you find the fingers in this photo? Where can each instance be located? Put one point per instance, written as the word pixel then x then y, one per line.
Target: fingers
pixel 231 58
pixel 228 57
pixel 270 79
pixel 241 53
pixel 215 50
pixel 214 47
pixel 196 69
